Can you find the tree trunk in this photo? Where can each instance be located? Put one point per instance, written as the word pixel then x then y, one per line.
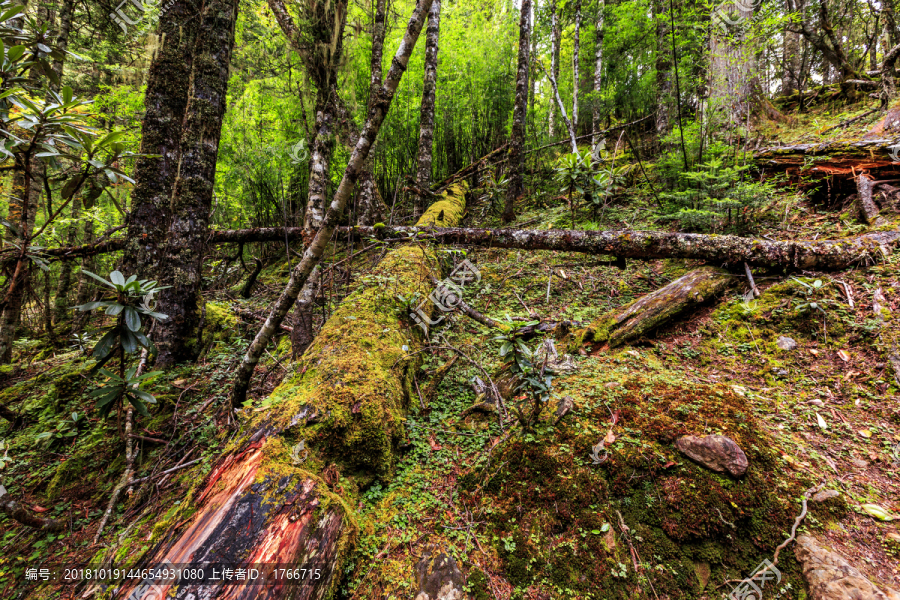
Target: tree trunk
pixel 265 503
pixel 664 82
pixel 165 101
pixel 554 60
pixel 302 335
pixel 598 75
pixel 652 310
pixel 320 161
pixel 576 66
pixel 85 283
pixel 62 306
pixel 517 138
pixel 192 195
pixel 371 208
pixel 790 79
pixel 62 37
pixel 731 66
pixel 426 114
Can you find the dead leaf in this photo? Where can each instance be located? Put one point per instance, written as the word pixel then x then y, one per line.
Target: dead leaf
pixel 39 509
pixel 843 355
pixel 813 351
pixel 671 463
pixel 610 437
pixel 822 423
pixel 434 445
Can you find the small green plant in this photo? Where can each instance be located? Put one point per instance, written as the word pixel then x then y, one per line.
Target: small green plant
pixel 809 291
pixel 65 430
pixel 574 173
pixel 133 299
pixel 534 384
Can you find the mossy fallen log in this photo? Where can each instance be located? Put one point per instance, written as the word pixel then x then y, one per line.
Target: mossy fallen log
pixel 284 493
pixel 652 310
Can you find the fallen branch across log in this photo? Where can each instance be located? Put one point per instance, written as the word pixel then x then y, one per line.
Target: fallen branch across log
pixel 641 245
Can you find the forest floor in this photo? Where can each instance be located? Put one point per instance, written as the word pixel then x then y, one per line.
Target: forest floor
pixel 532 514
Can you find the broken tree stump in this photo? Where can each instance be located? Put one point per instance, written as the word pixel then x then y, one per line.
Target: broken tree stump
pixel 652 310
pixel 285 491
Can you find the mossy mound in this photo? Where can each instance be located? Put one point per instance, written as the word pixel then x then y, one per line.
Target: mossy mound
pixel 562 522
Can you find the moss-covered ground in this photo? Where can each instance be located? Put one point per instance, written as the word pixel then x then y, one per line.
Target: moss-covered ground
pixel 525 514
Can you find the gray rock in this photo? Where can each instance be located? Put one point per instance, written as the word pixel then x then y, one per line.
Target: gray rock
pixel 715 452
pixel 831 577
pixel 825 495
pixel 438 577
pixel 785 343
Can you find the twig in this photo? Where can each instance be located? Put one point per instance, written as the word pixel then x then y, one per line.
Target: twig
pixel 172 470
pixel 750 279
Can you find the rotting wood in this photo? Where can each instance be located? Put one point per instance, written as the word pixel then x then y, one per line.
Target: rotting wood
pixel 643 245
pixel 868 210
pixel 652 310
pixel 346 402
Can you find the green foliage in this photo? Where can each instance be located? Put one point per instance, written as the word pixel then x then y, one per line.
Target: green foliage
pixel 65 430
pixel 127 387
pixel 533 382
pixel 810 302
pixel 133 299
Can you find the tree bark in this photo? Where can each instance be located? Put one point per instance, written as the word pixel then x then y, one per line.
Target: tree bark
pixel 193 190
pixel 791 59
pixel 598 75
pixel 664 86
pixel 642 245
pixel 554 60
pixel 303 335
pixel 320 161
pixel 654 309
pixel 165 102
pixel 61 305
pixel 576 64
pixel 261 504
pixel 732 62
pixel 371 208
pixel 517 138
pixel 429 94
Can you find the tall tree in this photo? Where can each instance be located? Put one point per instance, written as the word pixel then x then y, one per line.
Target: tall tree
pixel 554 60
pixel 664 79
pixel 429 95
pixel 517 138
pixel 732 62
pixel 192 196
pixel 576 65
pixel 370 206
pixel 165 101
pixel 598 73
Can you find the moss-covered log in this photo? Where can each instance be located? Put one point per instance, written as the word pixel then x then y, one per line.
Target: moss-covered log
pixel 285 492
pixel 652 310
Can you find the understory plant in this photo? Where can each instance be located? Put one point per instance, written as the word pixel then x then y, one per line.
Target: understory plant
pixel 133 299
pixel 532 391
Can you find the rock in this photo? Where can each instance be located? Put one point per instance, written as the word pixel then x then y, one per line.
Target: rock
pixel 438 577
pixel 825 495
pixel 564 407
pixel 785 343
pixel 715 452
pixel 831 577
pixel 858 462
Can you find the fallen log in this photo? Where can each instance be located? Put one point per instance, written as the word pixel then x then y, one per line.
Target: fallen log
pixel 641 245
pixel 284 494
pixel 652 310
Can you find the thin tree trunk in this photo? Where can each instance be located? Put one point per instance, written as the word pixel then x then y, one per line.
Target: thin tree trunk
pixel 554 60
pixel 429 94
pixel 517 138
pixel 731 64
pixel 570 127
pixel 664 82
pixel 320 161
pixel 192 196
pixel 302 335
pixel 598 74
pixel 370 206
pixel 61 306
pixel 790 79
pixel 165 101
pixel 576 66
